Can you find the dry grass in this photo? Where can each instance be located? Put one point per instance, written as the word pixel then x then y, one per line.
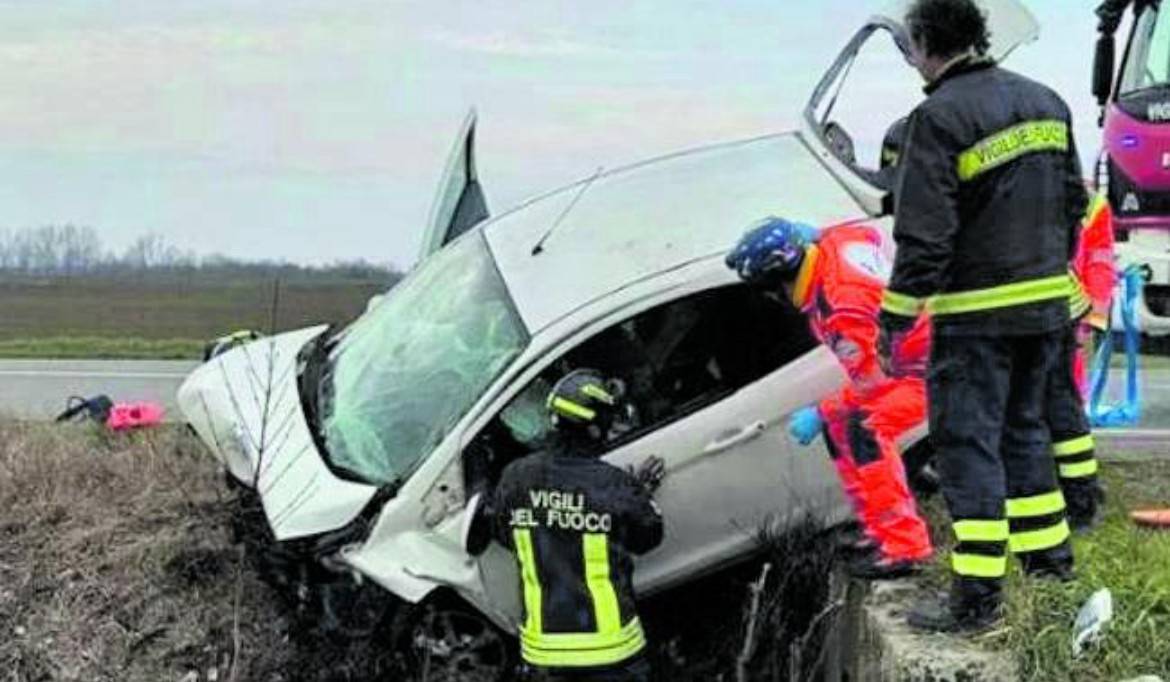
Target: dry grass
pixel 116 563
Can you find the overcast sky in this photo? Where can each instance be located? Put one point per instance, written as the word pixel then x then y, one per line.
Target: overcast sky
pixel 316 130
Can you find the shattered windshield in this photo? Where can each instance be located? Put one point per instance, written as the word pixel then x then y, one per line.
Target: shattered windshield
pixel 1148 65
pixel 406 372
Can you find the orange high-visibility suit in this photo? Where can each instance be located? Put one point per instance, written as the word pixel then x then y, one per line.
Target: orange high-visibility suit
pixel 1094 266
pixel 840 286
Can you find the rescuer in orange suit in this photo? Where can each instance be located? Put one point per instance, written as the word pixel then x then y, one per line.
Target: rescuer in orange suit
pixel 1094 265
pixel 837 276
pixel 1072 438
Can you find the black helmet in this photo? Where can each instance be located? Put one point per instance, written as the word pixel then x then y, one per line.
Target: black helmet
pixel 584 401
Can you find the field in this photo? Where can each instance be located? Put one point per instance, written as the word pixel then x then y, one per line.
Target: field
pixel 161 318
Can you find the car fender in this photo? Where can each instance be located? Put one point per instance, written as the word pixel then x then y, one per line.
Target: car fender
pixel 413 564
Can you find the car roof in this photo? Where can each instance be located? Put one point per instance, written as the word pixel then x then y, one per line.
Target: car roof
pixel 630 224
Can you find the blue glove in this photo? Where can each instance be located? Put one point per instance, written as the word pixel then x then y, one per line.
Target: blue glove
pixel 805 425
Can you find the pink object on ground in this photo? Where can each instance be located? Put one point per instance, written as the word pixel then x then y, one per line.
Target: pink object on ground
pixel 127 416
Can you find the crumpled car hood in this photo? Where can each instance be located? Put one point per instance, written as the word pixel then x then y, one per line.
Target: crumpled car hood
pixel 246 407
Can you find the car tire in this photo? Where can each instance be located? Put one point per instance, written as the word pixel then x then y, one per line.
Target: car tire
pixel 445 640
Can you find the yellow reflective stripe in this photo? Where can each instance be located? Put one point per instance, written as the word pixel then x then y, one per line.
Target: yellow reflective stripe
pixel 1037 505
pixel 1039 540
pixel 586 656
pixel 577 641
pixel 1099 203
pixel 598 393
pixel 1010 144
pixel 901 304
pixel 533 600
pixel 1006 296
pixel 1080 469
pixel 572 409
pixel 979 566
pixel 804 278
pixel 1078 307
pixel 605 603
pixel 981 531
pixel 611 643
pixel 1076 446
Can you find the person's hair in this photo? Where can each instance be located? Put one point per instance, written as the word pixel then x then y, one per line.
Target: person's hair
pixel 946 28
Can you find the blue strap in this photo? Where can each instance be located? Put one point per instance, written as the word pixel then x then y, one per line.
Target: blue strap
pixel 1128 412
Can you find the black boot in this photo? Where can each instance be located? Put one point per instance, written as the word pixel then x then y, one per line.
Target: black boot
pixel 925 482
pixel 852 543
pixel 877 567
pixel 1054 564
pixel 1085 498
pixel 973 607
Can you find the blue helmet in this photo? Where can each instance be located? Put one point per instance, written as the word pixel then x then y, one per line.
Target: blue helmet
pixel 774 247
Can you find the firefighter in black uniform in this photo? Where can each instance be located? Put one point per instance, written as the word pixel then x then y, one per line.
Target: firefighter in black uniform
pixel 989 198
pixel 575 523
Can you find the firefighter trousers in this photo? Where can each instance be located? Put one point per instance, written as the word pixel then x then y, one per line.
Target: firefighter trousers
pixel 1072 438
pixel 864 447
pixel 989 426
pixel 635 670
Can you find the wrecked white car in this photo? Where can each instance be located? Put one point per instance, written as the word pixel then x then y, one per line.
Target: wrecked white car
pixel 364 445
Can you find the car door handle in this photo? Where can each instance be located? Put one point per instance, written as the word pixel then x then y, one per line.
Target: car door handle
pixel 726 442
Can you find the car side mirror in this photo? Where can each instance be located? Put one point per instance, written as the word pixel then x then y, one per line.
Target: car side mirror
pixel 1103 63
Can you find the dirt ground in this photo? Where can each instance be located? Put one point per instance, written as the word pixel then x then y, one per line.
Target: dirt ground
pixel 118 563
pixel 115 564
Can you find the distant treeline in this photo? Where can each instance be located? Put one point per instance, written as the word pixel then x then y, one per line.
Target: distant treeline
pixel 77 251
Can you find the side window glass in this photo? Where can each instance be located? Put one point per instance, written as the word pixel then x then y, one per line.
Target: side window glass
pixel 674 359
pixel 876 89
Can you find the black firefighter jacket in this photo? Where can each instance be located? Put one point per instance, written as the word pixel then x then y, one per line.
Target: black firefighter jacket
pixel 989 199
pixel 574 523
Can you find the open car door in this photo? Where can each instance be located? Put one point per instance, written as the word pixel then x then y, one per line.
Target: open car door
pixel 880 52
pixel 459 204
pixel 1009 23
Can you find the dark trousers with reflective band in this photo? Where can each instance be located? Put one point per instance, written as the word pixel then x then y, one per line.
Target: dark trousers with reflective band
pixel 988 423
pixel 635 670
pixel 1072 439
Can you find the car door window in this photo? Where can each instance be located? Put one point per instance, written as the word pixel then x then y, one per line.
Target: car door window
pixel 673 359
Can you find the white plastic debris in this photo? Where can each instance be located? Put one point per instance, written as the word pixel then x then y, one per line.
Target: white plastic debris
pixel 1091 621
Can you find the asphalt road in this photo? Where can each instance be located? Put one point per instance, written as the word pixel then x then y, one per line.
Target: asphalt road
pixel 1154 385
pixel 38 389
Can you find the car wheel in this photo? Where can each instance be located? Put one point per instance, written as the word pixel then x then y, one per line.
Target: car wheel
pixel 446 641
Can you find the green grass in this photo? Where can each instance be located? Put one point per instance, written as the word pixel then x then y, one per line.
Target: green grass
pixel 1133 563
pixel 90 347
